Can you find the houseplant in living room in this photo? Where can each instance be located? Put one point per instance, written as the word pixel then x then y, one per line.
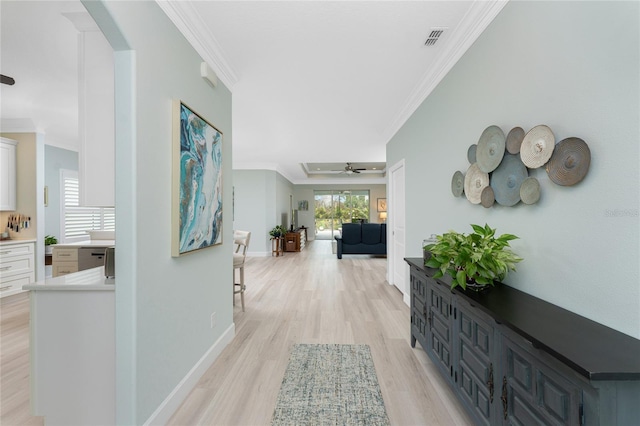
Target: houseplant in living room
pixel 277 231
pixel 474 260
pixel 48 241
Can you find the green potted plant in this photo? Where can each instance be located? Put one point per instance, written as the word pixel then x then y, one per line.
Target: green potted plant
pixel 48 241
pixel 473 260
pixel 277 231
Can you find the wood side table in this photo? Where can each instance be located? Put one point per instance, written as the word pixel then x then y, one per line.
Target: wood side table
pixel 277 246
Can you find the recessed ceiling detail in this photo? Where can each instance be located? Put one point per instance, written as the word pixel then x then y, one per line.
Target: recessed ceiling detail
pixel 340 170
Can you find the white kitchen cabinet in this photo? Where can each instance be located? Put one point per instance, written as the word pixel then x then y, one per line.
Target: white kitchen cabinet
pixel 8 174
pixel 17 267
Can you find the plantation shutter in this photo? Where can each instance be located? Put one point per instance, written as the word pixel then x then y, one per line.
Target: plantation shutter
pixel 77 220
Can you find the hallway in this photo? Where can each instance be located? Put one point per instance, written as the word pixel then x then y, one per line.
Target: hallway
pixel 311 297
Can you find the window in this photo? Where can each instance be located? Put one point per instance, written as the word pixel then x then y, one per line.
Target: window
pixel 333 208
pixel 75 220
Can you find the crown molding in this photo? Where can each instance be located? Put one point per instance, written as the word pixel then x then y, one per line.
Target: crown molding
pixel 475 21
pixel 190 24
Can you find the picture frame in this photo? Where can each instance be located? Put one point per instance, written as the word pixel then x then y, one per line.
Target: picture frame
pixel 382 204
pixel 303 205
pixel 196 206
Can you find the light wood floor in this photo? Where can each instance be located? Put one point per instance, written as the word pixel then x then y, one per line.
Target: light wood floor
pixel 307 297
pixel 14 362
pixel 312 297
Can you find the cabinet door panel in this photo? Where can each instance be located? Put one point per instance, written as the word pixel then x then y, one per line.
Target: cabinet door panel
pixel 522 413
pixel 475 348
pixel 553 397
pixel 537 389
pixel 439 307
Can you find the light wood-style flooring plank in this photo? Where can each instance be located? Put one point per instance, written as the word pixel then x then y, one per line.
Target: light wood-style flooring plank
pixel 312 297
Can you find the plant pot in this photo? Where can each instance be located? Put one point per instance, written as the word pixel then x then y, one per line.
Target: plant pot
pixel 48 249
pixel 477 288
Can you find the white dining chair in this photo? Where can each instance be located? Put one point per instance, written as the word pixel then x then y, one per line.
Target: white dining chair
pixel 241 241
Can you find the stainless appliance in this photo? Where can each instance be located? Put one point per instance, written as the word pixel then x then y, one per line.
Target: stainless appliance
pixel 110 262
pixel 90 257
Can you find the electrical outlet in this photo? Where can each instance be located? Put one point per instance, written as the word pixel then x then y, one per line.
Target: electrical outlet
pixel 213 320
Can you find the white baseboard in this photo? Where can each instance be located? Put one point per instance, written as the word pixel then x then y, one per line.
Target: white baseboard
pixel 171 403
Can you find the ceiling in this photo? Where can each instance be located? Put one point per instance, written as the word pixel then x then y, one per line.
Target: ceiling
pixel 313 81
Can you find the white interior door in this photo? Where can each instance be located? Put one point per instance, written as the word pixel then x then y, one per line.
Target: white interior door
pixel 396 206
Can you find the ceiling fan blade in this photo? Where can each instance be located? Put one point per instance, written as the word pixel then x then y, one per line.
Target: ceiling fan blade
pixel 5 79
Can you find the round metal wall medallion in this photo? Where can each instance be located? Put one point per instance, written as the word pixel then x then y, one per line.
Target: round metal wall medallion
pixel 474 182
pixel 570 162
pixel 490 149
pixel 537 146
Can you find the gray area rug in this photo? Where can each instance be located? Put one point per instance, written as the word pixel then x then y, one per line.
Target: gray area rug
pixel 330 385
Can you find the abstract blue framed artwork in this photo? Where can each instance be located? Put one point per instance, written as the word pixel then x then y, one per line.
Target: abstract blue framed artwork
pixel 197 182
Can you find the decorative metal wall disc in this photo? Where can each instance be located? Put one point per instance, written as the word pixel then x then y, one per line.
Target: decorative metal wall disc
pixel 570 162
pixel 457 184
pixel 530 190
pixel 506 180
pixel 490 149
pixel 487 197
pixel 474 182
pixel 471 153
pixel 514 140
pixel 537 146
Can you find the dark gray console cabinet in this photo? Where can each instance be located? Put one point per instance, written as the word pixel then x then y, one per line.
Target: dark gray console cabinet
pixel 514 359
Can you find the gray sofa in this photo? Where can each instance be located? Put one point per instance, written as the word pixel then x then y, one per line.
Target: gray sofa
pixel 362 238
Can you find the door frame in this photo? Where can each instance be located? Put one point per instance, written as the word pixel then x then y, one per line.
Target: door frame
pixel 392 209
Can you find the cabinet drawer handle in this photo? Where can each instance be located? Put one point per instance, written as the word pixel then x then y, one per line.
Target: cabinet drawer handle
pixel 504 399
pixel 5 252
pixel 5 287
pixel 4 268
pixel 64 254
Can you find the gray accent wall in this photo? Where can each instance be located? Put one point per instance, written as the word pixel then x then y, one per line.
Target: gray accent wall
pixel 261 200
pixel 255 207
pixel 55 159
pixel 543 63
pixel 163 304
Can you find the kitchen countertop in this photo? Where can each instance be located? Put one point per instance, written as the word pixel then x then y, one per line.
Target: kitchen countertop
pixel 16 241
pixel 87 280
pixel 87 243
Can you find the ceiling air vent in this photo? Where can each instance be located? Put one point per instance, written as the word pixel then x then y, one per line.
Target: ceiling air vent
pixel 434 36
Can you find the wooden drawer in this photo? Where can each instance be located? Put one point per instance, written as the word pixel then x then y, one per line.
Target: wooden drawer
pixel 65 254
pixel 64 268
pixel 16 250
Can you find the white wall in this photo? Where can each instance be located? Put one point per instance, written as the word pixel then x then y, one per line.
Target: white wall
pixel 163 304
pixel 573 66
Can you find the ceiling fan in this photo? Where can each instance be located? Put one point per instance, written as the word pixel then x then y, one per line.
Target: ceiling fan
pixel 5 79
pixel 349 169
